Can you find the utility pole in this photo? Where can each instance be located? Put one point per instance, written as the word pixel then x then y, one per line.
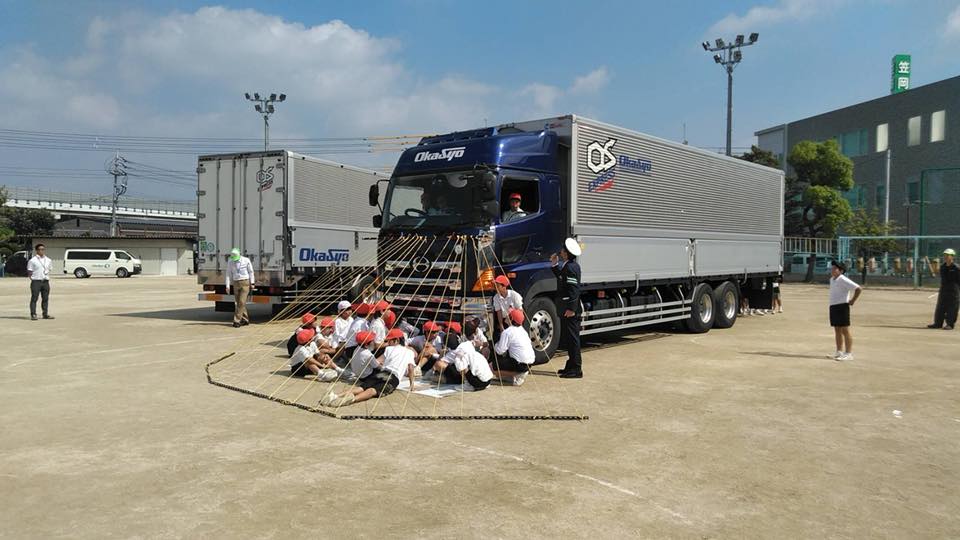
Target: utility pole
pixel 886 191
pixel 728 56
pixel 119 188
pixel 264 106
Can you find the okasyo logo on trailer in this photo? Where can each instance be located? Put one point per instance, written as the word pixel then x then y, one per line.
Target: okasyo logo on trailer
pixel 265 178
pixel 332 255
pixel 602 161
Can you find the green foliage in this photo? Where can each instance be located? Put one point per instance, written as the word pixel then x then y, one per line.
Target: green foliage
pixel 21 222
pixel 864 223
pixel 826 210
pixel 763 157
pixel 822 173
pixel 822 164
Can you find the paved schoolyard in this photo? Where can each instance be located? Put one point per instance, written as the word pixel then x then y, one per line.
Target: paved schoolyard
pixel 111 430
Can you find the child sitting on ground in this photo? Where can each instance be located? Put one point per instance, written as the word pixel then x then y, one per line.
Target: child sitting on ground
pixel 359 324
pixel 427 345
pixel 309 320
pixel 514 351
pixel 363 362
pixel 463 363
pixel 306 358
pixel 342 323
pixel 397 365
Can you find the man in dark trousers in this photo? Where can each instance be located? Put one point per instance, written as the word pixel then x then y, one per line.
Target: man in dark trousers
pixel 949 298
pixel 567 271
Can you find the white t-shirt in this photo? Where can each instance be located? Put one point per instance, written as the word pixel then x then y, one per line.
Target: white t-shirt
pixel 379 329
pixel 504 304
pixel 465 356
pixel 420 341
pixel 359 325
pixel 515 341
pixel 396 360
pixel 840 289
pixel 303 352
pixel 39 267
pixel 361 364
pixel 341 329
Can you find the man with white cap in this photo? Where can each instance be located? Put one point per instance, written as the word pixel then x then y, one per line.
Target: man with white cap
pixel 948 300
pixel 240 275
pixel 567 270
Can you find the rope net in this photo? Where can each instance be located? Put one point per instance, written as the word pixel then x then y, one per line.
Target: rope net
pixel 421 279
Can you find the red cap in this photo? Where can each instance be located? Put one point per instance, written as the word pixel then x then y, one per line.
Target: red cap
pixel 515 196
pixel 516 316
pixel 431 326
pixel 454 327
pixel 389 318
pixel 308 318
pixel 381 305
pixel 326 322
pixel 396 333
pixel 305 335
pixel 503 280
pixel 364 337
pixel 361 309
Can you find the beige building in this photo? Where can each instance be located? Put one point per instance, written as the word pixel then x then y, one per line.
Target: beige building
pixel 160 256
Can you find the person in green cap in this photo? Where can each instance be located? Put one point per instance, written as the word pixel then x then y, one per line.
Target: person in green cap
pixel 240 274
pixel 948 300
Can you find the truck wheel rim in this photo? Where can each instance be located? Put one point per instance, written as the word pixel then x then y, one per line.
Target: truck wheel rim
pixel 541 325
pixel 729 304
pixel 706 308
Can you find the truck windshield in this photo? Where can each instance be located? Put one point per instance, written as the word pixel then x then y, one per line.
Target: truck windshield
pixel 435 200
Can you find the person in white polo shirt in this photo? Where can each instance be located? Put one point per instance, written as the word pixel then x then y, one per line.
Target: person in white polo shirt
pixel 840 303
pixel 38 268
pixel 503 301
pixel 514 351
pixel 240 275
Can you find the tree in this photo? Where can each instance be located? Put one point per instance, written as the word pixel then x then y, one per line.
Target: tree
pixel 822 174
pixel 865 223
pixel 21 222
pixel 6 231
pixel 763 157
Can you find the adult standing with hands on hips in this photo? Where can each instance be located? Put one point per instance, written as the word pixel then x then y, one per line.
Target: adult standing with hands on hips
pixel 38 268
pixel 240 274
pixel 948 299
pixel 567 270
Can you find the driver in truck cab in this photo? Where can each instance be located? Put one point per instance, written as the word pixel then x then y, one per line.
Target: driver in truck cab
pixel 514 212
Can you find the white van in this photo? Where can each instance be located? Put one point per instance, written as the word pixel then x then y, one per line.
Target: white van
pixel 100 262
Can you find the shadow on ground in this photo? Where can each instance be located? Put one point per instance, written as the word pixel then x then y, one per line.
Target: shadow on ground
pixel 204 314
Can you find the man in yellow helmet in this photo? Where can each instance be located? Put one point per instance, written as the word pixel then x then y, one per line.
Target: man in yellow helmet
pixel 949 298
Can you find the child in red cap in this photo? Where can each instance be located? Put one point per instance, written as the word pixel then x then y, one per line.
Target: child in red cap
pixel 514 352
pixel 504 300
pixel 397 364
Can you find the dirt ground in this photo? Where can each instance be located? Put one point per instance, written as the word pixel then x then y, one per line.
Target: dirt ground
pixel 110 429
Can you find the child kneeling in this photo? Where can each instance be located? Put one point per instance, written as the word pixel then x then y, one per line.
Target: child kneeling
pixel 514 351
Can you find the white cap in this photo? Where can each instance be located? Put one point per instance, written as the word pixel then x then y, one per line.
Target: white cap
pixel 949 251
pixel 572 247
pixel 344 304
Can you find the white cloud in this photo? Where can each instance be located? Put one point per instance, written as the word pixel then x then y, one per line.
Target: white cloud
pixel 544 97
pixel 759 17
pixel 952 28
pixel 592 82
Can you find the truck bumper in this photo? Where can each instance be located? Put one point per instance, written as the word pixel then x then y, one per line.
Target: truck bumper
pixel 252 299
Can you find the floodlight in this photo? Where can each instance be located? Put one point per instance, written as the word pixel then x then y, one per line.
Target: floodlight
pixel 717 59
pixel 247 95
pixel 737 56
pixel 270 109
pixel 754 37
pixel 256 95
pixel 258 108
pixel 273 97
pixel 283 97
pixel 706 45
pixel 719 43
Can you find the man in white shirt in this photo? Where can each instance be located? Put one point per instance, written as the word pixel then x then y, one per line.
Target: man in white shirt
pixel 38 268
pixel 505 300
pixel 840 303
pixel 514 351
pixel 240 274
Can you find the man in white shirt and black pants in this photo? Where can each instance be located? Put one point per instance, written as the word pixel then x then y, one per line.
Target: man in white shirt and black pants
pixel 240 274
pixel 38 268
pixel 840 303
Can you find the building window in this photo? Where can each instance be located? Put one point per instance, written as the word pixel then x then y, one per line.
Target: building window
pixel 938 126
pixel 882 138
pixel 857 197
pixel 881 199
pixel 854 143
pixel 913 131
pixel 913 192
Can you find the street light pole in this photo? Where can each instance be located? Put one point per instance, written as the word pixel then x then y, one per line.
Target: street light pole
pixel 728 55
pixel 264 106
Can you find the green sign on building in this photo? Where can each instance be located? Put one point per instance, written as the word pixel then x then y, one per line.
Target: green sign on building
pixel 900 74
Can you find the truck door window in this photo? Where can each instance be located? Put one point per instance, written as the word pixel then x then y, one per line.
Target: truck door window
pixel 528 193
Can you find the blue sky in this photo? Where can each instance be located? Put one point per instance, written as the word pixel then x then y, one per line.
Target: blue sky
pixel 421 66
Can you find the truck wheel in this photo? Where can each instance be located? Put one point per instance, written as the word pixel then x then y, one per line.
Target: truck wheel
pixel 726 298
pixel 544 328
pixel 223 306
pixel 702 310
pixel 122 273
pixel 80 273
pixel 356 292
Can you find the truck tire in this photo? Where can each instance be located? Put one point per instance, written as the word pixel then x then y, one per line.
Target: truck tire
pixel 726 299
pixel 223 306
pixel 544 328
pixel 361 285
pixel 702 310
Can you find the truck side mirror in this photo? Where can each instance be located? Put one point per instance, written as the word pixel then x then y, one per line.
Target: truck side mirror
pixel 378 221
pixel 491 208
pixel 489 182
pixel 374 195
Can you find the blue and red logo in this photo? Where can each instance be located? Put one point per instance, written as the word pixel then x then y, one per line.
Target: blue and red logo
pixel 601 160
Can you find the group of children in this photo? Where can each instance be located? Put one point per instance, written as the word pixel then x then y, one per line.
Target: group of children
pixel 367 346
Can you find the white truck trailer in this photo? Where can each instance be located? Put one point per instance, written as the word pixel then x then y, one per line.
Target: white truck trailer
pixel 297 218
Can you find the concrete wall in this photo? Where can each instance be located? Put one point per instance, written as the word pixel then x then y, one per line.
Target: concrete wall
pixel 146 249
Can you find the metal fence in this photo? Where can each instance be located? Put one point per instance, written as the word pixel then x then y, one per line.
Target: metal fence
pixel 15 193
pixel 899 260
